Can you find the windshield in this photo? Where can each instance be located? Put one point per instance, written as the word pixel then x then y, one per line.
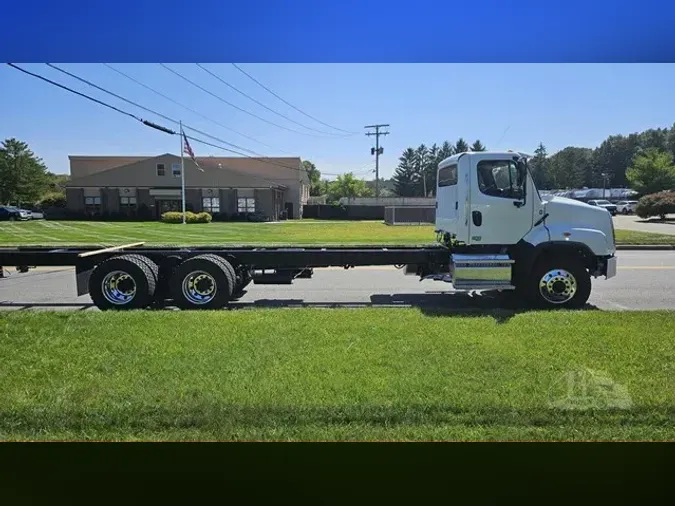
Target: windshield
pixel 603 202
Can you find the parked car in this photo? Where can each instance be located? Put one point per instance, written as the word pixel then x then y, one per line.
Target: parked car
pixel 606 204
pixel 626 206
pixel 10 213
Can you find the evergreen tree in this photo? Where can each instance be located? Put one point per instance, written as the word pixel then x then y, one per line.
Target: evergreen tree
pixel 477 146
pixel 539 166
pixel 461 146
pixel 446 151
pixel 405 184
pixel 421 167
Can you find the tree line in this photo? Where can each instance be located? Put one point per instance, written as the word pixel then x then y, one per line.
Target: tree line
pixel 642 161
pixel 415 175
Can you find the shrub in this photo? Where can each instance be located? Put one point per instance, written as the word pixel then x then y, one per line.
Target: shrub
pixel 53 199
pixel 190 217
pixel 203 217
pixel 656 204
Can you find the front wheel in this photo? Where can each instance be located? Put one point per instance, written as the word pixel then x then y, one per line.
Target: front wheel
pixel 559 282
pixel 625 211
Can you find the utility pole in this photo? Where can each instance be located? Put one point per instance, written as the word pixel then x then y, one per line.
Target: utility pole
pixel 182 172
pixel 377 151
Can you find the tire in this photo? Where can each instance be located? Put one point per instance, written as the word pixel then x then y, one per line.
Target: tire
pixel 11 218
pixel 154 268
pixel 559 282
pixel 123 282
pixel 203 282
pixel 625 211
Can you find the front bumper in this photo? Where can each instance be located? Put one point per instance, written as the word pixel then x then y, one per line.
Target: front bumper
pixel 604 266
pixel 610 267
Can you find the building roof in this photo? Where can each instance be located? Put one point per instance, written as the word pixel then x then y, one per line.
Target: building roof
pixel 214 175
pixel 275 168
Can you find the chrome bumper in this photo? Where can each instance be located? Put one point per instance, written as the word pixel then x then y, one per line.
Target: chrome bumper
pixel 610 270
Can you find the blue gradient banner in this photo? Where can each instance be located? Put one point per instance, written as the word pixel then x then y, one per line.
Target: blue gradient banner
pixel 344 31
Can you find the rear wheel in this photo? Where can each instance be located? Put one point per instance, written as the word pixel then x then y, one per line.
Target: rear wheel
pixel 559 282
pixel 123 282
pixel 203 282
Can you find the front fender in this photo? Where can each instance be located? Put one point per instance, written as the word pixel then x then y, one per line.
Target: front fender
pixel 596 240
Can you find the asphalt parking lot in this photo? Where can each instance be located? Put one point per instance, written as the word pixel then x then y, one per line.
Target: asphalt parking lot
pixel 632 222
pixel 645 280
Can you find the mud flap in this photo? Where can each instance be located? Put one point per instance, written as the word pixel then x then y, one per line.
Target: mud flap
pixel 82 274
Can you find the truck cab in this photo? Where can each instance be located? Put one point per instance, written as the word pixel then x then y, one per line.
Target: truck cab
pixel 503 235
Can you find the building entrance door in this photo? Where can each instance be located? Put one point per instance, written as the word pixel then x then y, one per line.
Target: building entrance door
pixel 166 205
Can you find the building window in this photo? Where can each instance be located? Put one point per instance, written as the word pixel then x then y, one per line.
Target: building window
pixel 127 204
pixel 246 205
pixel 160 169
pixel 211 204
pixel 92 205
pixel 175 169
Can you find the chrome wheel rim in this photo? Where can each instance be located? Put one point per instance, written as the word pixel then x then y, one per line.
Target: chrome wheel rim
pixel 558 286
pixel 118 287
pixel 199 287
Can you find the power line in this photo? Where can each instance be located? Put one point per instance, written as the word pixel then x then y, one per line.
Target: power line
pixel 265 106
pixel 233 105
pixel 76 92
pixel 192 110
pixel 173 120
pixel 84 95
pixel 154 125
pixel 288 103
pixel 111 93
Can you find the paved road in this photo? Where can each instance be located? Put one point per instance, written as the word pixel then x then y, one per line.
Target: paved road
pixel 632 222
pixel 645 280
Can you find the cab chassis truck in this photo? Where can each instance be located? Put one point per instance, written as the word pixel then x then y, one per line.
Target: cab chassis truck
pixel 493 232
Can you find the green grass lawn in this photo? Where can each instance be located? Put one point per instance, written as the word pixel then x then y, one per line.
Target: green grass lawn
pixel 376 374
pixel 634 237
pixel 306 232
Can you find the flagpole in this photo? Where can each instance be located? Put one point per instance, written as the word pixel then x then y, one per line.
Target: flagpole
pixel 182 172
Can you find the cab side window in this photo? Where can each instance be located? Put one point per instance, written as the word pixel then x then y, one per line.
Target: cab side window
pixel 447 176
pixel 500 178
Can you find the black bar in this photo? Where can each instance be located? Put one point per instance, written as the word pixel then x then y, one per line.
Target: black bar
pixel 257 257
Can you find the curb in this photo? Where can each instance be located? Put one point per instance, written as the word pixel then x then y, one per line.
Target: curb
pixel 645 247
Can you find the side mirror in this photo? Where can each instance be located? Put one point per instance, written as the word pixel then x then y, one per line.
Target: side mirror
pixel 521 166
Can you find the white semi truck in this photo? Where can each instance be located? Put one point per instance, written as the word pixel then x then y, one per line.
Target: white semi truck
pixel 504 235
pixel 494 232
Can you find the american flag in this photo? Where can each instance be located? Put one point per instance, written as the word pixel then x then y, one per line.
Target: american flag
pixel 187 149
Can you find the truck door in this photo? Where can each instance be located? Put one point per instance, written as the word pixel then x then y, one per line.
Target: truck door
pixel 446 199
pixel 501 212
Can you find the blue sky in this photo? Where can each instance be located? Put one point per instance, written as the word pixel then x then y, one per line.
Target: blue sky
pixel 557 104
